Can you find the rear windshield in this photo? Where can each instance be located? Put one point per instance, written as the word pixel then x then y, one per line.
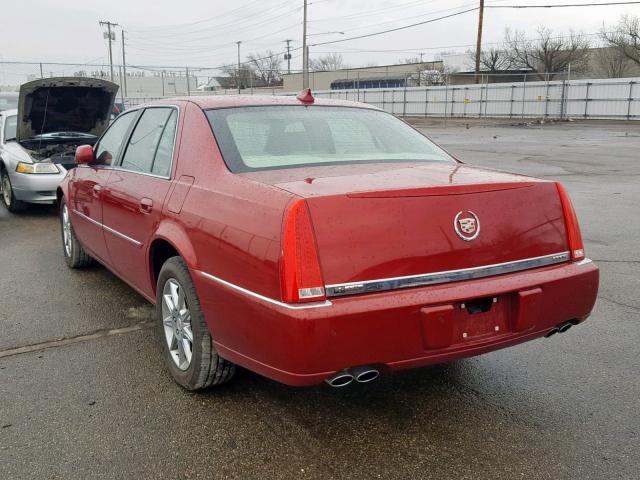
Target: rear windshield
pixel 271 137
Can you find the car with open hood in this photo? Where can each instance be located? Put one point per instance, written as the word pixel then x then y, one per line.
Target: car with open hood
pixel 319 240
pixel 38 139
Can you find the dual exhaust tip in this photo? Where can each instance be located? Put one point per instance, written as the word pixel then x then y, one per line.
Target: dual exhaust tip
pixel 363 374
pixel 366 374
pixel 563 327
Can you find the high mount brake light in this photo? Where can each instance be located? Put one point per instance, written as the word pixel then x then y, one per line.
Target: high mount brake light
pixel 300 275
pixel 573 228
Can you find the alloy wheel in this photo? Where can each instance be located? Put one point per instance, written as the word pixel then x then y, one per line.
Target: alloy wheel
pixel 176 322
pixel 66 230
pixel 6 189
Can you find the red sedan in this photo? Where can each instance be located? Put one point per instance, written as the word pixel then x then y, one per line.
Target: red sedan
pixel 313 240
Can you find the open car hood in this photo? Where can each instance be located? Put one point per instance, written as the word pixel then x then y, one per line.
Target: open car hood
pixel 64 104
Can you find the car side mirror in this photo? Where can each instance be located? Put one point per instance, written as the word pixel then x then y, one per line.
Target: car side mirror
pixel 84 155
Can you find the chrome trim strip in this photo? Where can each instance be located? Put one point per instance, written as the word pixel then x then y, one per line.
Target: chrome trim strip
pixel 326 303
pixel 386 284
pixel 108 229
pixel 118 169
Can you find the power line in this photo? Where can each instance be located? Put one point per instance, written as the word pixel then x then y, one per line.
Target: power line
pixel 372 12
pixel 397 28
pixel 441 47
pixel 566 5
pixel 198 22
pixel 411 17
pixel 253 24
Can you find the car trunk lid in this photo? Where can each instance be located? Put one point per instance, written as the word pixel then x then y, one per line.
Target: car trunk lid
pixel 376 222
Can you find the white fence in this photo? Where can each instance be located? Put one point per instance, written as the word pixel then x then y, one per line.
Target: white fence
pixel 587 99
pixel 607 99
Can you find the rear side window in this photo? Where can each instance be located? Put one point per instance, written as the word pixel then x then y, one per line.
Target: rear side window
pixel 151 145
pixel 164 152
pixel 108 148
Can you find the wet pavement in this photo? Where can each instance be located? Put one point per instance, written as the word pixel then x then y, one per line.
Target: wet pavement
pixel 100 404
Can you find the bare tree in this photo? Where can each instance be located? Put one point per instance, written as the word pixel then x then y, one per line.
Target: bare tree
pixel 331 61
pixel 625 37
pixel 409 60
pixel 493 60
pixel 547 54
pixel 245 75
pixel 267 67
pixel 611 62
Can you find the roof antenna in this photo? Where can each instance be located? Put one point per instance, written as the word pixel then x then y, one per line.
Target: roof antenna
pixel 305 96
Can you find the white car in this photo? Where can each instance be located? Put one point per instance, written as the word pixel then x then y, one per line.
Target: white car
pixel 38 139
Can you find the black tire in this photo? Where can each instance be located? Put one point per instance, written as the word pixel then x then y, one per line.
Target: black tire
pixel 9 199
pixel 206 367
pixel 75 255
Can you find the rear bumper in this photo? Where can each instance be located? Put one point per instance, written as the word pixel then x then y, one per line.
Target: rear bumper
pixel 393 330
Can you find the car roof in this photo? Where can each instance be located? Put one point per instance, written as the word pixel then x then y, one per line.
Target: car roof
pixel 228 101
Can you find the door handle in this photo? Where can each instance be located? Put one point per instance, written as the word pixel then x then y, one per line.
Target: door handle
pixel 146 205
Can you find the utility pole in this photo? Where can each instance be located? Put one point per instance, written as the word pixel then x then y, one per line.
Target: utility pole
pixel 421 55
pixel 305 50
pixel 124 67
pixel 109 25
pixel 479 43
pixel 288 55
pixel 238 73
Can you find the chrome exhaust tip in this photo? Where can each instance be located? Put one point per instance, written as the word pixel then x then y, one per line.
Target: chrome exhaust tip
pixel 552 332
pixel 564 327
pixel 365 374
pixel 340 379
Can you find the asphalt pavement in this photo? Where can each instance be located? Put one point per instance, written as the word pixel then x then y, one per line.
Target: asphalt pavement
pixel 84 392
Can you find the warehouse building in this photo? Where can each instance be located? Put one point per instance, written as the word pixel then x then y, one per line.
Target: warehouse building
pixel 384 76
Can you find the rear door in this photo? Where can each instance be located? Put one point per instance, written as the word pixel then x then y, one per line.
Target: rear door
pixel 87 186
pixel 136 191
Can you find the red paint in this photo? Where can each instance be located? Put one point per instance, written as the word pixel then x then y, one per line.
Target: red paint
pixel 84 154
pixel 272 232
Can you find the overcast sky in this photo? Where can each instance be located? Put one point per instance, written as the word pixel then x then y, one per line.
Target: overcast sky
pixel 204 32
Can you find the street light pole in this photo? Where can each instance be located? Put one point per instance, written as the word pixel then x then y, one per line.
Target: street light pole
pixel 305 50
pixel 238 73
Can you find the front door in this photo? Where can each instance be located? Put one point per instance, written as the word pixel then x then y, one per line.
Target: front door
pixel 87 185
pixel 135 195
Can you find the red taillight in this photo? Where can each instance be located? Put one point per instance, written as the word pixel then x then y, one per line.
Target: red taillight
pixel 301 278
pixel 571 222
